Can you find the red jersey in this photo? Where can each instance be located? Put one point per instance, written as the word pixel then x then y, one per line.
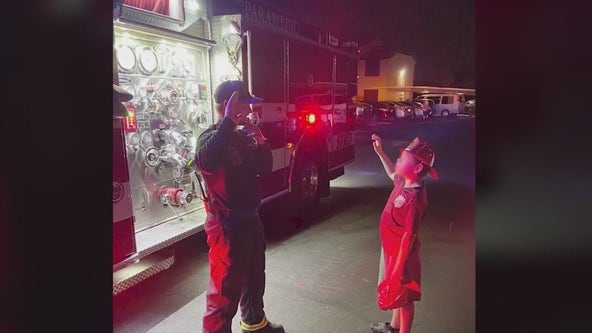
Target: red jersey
pixel 403 212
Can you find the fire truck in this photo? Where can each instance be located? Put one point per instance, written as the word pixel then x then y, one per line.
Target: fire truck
pixel 171 57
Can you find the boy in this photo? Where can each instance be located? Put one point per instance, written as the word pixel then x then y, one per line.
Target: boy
pixel 399 224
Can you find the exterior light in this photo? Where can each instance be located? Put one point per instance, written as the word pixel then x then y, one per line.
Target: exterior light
pixel 233 42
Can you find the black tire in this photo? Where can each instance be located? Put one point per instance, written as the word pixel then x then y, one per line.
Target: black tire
pixel 445 113
pixel 306 182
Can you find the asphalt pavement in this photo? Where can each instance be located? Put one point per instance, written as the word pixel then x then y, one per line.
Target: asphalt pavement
pixel 322 275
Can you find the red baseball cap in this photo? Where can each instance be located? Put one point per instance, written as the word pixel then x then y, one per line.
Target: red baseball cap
pixel 424 153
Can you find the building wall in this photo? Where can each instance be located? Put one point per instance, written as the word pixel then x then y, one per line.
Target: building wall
pixel 397 71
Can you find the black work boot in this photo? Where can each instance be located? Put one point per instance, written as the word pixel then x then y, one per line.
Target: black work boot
pixel 269 328
pixel 383 328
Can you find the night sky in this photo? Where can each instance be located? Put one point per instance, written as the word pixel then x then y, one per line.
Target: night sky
pixel 439 34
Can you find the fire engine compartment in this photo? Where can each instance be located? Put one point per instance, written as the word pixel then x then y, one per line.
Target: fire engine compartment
pixel 170 64
pixel 169 79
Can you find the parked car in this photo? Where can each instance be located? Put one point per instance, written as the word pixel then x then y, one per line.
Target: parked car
pixel 401 111
pixel 418 109
pixel 363 112
pixel 445 105
pixel 382 111
pixel 470 106
pixel 428 108
pixel 406 111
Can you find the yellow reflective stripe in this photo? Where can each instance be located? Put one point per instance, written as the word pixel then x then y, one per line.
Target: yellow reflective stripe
pixel 254 327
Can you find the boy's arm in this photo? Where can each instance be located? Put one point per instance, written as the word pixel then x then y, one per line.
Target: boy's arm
pixel 412 217
pixel 389 166
pixel 406 242
pixel 212 146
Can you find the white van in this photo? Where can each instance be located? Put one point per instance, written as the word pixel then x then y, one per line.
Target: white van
pixel 445 105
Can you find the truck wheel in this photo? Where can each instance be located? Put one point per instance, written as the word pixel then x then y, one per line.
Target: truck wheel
pixel 305 190
pixel 306 184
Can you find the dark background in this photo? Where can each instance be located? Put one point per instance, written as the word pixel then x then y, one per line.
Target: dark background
pixel 439 34
pixel 533 175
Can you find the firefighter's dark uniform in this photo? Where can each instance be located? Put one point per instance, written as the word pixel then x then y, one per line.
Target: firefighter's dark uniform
pixel 230 162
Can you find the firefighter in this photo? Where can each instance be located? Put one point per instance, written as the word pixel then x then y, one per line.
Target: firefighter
pixel 230 155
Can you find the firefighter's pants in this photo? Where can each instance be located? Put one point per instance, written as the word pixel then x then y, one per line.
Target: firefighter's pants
pixel 237 271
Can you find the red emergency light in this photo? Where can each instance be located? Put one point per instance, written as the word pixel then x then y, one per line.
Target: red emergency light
pixel 311 118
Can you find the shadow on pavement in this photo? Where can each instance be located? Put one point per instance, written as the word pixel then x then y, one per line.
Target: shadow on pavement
pixel 277 216
pixel 451 202
pixel 447 203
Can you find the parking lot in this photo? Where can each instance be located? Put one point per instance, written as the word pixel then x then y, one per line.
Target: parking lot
pixel 322 276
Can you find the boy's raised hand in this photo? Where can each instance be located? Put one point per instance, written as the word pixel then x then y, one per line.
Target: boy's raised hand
pixel 377 143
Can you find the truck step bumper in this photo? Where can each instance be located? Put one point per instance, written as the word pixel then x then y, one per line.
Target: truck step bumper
pixel 154 252
pixel 140 271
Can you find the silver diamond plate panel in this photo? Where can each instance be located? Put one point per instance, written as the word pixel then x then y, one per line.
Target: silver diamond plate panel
pixel 139 272
pixel 192 113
